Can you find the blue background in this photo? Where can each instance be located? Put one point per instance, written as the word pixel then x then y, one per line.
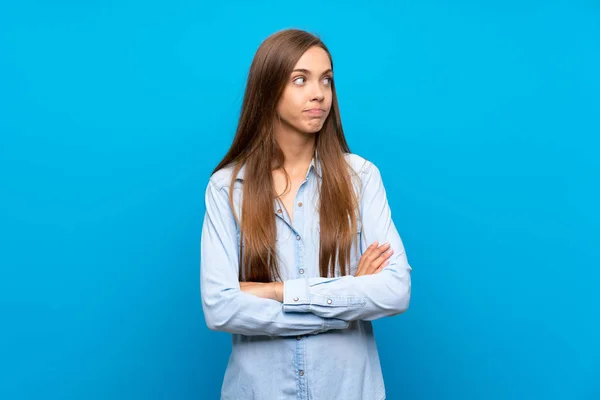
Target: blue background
pixel 483 117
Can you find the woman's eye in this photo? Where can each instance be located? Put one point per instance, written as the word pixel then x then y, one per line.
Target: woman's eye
pixel 327 80
pixel 299 80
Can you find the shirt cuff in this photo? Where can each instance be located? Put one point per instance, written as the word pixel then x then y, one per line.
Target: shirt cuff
pixel 296 297
pixel 334 323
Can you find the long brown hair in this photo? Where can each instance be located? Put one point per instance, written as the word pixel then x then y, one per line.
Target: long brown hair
pixel 255 146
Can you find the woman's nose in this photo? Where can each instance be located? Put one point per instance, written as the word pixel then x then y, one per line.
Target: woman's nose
pixel 317 93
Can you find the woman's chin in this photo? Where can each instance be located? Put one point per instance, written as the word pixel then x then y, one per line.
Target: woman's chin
pixel 312 128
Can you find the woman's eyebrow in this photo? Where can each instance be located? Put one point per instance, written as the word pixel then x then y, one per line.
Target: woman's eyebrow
pixel 307 72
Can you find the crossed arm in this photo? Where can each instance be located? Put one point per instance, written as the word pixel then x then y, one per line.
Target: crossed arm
pixel 380 288
pixel 371 262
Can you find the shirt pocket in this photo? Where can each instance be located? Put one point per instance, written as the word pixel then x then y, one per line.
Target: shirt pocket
pixel 283 233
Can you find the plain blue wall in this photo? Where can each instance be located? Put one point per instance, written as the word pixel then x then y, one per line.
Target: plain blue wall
pixel 483 117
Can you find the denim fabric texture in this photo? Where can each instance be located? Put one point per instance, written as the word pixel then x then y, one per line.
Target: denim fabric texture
pixel 319 343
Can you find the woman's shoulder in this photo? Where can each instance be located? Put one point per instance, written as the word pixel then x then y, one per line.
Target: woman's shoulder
pixel 358 163
pixel 222 177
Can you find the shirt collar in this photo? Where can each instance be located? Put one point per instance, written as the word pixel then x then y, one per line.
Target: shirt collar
pixel 315 165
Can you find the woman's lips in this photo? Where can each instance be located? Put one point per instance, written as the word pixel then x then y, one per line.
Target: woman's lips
pixel 317 112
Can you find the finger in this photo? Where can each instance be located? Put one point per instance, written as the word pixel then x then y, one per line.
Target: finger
pixel 372 247
pixel 368 262
pixel 381 250
pixel 382 266
pixel 383 257
pixel 387 254
pixel 372 252
pixel 384 246
pixel 364 259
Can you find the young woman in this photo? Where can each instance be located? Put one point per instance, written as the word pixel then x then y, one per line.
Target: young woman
pixel 299 252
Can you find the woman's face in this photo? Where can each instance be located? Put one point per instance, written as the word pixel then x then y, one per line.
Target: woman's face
pixel 306 99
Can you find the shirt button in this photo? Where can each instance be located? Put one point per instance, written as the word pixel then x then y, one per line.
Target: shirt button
pixel 279 211
pixel 300 204
pixel 298 337
pixel 296 299
pixel 329 301
pixel 297 237
pixel 301 271
pixel 301 372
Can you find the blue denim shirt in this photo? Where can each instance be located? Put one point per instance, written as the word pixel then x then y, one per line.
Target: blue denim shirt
pixel 319 343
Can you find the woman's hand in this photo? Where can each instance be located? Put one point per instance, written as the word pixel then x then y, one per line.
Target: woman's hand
pixel 374 259
pixel 270 290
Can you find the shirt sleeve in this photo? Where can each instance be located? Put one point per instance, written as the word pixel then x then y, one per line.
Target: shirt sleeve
pixel 366 297
pixel 225 306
